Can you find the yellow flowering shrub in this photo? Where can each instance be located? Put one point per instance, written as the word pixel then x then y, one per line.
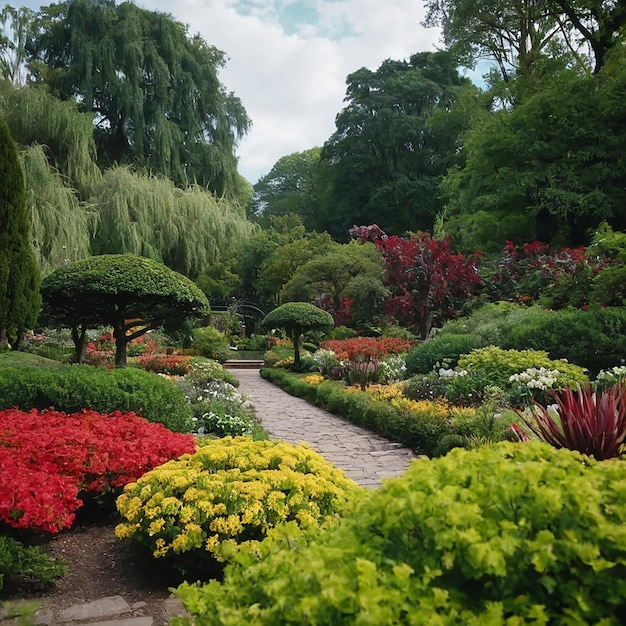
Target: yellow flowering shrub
pixel 231 492
pixel 313 379
pixel 286 362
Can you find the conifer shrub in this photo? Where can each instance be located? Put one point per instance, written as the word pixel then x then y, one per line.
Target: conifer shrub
pixel 73 388
pixel 509 534
pixel 193 513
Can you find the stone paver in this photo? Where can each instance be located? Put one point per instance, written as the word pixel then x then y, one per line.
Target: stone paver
pixel 364 456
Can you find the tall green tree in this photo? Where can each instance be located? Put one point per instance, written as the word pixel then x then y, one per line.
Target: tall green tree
pixel 20 299
pixel 554 162
pixel 297 183
pixel 520 36
pixel 385 158
pixel 153 88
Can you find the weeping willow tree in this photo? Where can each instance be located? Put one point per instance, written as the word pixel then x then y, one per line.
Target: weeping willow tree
pixel 154 90
pixel 36 117
pixel 61 226
pixel 186 229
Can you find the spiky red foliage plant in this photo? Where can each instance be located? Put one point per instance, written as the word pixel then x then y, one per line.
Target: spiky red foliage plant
pixel 590 421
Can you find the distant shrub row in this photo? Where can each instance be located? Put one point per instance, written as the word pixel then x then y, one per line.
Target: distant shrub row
pixel 593 339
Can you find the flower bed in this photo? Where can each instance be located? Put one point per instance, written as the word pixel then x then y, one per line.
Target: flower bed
pixel 47 458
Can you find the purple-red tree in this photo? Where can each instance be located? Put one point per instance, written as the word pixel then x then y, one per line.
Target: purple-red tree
pixel 428 281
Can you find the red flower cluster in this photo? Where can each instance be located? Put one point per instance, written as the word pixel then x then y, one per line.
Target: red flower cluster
pixel 366 347
pixel 47 458
pixel 172 364
pixel 526 272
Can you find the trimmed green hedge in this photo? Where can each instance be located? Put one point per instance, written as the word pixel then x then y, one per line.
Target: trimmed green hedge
pixel 419 431
pixel 72 388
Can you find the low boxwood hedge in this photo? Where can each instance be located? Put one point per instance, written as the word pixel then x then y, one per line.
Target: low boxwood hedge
pixel 72 388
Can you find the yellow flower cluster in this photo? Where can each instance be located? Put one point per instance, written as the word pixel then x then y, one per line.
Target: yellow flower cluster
pixel 232 490
pixel 313 379
pixel 439 408
pixel 286 362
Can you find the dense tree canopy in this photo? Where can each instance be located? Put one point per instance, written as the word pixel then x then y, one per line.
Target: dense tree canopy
pixel 297 183
pixel 19 275
pixel 153 89
pixel 130 293
pixel 385 159
pixel 551 166
pixel 522 35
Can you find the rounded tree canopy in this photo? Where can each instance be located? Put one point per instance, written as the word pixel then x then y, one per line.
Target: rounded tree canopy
pixel 113 284
pixel 298 317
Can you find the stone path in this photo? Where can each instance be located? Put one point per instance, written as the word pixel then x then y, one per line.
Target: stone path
pixel 364 456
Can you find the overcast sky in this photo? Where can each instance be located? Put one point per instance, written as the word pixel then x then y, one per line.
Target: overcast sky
pixel 288 60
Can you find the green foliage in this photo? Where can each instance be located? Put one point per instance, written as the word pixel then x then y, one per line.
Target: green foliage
pixel 186 229
pixel 20 299
pixel 297 318
pixel 231 492
pixel 30 566
pixel 511 534
pixel 210 343
pixel 442 351
pixel 395 138
pixel 71 389
pixel 499 365
pixel 594 339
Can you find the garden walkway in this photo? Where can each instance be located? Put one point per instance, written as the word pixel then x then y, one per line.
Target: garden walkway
pixel 364 456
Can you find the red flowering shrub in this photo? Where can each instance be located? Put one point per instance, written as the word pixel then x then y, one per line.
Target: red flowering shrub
pixel 98 356
pixel 427 280
pixel 172 364
pixel 366 347
pixel 48 457
pixel 563 277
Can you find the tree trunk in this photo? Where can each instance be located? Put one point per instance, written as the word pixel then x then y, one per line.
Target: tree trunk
pixel 296 349
pixel 78 337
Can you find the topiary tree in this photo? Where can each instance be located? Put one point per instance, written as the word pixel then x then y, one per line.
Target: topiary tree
pixel 297 318
pixel 130 293
pixel 20 300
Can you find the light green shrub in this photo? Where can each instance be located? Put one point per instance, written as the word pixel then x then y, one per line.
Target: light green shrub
pixel 512 534
pixel 499 365
pixel 210 343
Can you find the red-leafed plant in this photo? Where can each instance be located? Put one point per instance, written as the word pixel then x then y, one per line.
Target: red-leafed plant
pixel 47 458
pixel 428 281
pixel 366 347
pixel 591 422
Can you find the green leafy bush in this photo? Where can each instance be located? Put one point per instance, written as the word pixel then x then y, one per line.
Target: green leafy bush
pixel 73 388
pixel 499 365
pixel 443 350
pixel 231 492
pixel 210 343
pixel 27 565
pixel 594 339
pixel 511 534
